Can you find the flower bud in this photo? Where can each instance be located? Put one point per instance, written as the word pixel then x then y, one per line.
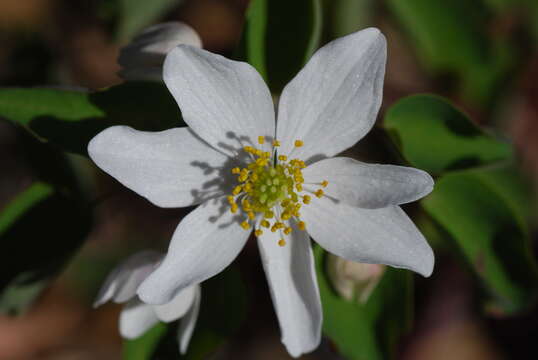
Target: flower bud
pixel 353 281
pixel 143 58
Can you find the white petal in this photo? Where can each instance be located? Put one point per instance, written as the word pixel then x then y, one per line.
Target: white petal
pixel 374 236
pixel 186 327
pixel 179 305
pixel 333 101
pixel 171 168
pixel 122 282
pixel 136 318
pixel 142 59
pixel 368 186
pixel 204 243
pixel 225 102
pixel 294 289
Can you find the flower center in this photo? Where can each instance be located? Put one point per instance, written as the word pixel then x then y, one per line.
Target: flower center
pixel 271 186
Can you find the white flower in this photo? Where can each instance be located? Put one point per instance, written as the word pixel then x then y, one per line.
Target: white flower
pixel 232 151
pixel 142 58
pixel 137 317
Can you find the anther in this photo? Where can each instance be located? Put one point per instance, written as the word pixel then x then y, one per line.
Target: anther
pixel 261 140
pixel 324 183
pixel 301 225
pixel 319 193
pixel 245 225
pixel 298 143
pixel 281 242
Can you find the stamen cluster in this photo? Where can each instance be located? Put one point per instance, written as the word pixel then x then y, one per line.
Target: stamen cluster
pixel 269 186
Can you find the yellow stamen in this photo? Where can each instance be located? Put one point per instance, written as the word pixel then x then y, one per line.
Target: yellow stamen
pixel 281 242
pixel 264 184
pixel 319 193
pixel 324 183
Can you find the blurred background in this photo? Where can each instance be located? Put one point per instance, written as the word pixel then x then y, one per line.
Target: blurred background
pixel 480 54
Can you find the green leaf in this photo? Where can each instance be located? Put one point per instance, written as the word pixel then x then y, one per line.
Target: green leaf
pixel 40 228
pixel 222 311
pixel 480 64
pixel 37 246
pixel 36 193
pixel 367 331
pixel 69 119
pixel 136 15
pixel 435 136
pixel 280 36
pixel 143 347
pixel 478 209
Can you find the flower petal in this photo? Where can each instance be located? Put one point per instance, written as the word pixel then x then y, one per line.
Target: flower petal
pixel 294 289
pixel 204 243
pixel 225 102
pixel 171 168
pixel 136 318
pixel 179 305
pixel 369 186
pixel 142 59
pixel 374 236
pixel 333 101
pixel 186 327
pixel 122 282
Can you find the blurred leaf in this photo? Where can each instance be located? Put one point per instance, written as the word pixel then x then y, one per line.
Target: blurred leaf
pixel 435 136
pixel 428 23
pixel 41 227
pixel 69 119
pixel 478 208
pixel 349 16
pixel 372 330
pixel 36 193
pixel 280 36
pixel 222 311
pixel 37 246
pixel 143 347
pixel 136 15
pixel 450 37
